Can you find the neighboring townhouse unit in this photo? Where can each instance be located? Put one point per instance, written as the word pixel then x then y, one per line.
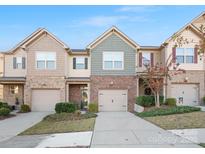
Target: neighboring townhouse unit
pixel 42 70
pixel 1 74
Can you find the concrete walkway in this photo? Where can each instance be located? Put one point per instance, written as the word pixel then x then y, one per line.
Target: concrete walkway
pixel 124 129
pixel 194 135
pixel 13 126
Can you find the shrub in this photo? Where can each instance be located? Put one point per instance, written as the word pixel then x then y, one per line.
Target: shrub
pixel 203 99
pixel 66 107
pixel 4 104
pixel 147 101
pixel 171 101
pixel 4 111
pixel 168 111
pixel 93 107
pixel 25 108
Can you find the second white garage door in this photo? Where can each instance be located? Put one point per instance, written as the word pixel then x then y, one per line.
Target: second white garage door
pixel 45 100
pixel 186 94
pixel 112 100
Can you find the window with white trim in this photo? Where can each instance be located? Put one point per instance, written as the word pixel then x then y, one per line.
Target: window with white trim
pixel 18 62
pixel 80 63
pixel 184 55
pixel 45 60
pixel 113 60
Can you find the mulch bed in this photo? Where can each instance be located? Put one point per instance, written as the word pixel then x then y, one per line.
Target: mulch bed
pixel 153 107
pixel 6 117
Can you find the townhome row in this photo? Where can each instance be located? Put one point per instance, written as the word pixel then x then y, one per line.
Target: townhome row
pixel 42 70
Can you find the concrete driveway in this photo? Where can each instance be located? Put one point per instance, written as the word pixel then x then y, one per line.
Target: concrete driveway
pixel 124 129
pixel 13 126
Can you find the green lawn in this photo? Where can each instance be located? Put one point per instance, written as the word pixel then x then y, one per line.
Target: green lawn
pixel 179 121
pixel 61 123
pixel 202 144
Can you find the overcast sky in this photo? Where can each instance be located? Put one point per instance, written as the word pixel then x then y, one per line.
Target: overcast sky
pixel 77 26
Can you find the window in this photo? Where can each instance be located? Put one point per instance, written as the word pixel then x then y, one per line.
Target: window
pixel 113 60
pixel 46 60
pixel 14 89
pixel 146 59
pixel 80 63
pixel 184 55
pixel 19 62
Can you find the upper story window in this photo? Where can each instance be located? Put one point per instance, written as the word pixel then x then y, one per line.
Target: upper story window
pixel 113 60
pixel 46 60
pixel 185 55
pixel 80 63
pixel 19 62
pixel 146 59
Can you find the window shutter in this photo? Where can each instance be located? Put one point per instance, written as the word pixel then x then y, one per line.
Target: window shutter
pixel 23 62
pixel 14 62
pixel 152 59
pixel 195 55
pixel 174 54
pixel 86 63
pixel 74 63
pixel 140 59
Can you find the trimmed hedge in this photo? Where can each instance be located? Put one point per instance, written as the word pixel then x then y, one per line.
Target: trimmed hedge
pixel 93 107
pixel 147 101
pixel 4 105
pixel 171 101
pixel 168 111
pixel 65 107
pixel 25 108
pixel 4 111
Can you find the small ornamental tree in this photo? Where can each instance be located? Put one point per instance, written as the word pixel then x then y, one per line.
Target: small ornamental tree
pixel 155 77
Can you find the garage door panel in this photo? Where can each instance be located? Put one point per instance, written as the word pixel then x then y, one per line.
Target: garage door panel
pixel 45 100
pixel 113 100
pixel 187 92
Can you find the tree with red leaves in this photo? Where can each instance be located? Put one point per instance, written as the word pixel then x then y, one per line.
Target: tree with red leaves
pixel 155 77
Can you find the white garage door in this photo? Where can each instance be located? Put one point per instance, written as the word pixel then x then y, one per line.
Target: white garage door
pixel 112 100
pixel 186 94
pixel 45 100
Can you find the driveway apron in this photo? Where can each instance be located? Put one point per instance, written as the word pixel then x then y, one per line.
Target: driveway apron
pixel 124 129
pixel 13 126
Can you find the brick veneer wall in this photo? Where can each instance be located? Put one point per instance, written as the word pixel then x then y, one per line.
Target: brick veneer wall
pixel 119 82
pixel 75 92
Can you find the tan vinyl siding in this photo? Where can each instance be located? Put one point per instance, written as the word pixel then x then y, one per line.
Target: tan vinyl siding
pixel 193 40
pixel 77 72
pixel 46 44
pixel 157 58
pixel 9 70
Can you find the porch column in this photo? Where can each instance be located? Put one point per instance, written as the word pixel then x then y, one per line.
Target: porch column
pixel 138 87
pixel 88 84
pixel 67 92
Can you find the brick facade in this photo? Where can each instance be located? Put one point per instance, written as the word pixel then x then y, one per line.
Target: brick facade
pixel 75 92
pixel 119 82
pixel 194 77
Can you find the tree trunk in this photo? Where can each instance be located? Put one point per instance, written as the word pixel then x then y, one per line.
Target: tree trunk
pixel 157 104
